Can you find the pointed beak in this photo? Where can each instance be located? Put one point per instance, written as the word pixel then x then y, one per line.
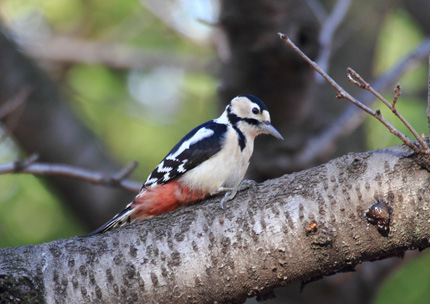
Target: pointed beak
pixel 267 128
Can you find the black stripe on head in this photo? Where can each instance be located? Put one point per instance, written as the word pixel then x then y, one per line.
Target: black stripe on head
pixel 255 100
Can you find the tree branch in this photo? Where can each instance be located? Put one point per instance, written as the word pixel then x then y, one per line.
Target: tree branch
pixel 29 166
pixel 295 228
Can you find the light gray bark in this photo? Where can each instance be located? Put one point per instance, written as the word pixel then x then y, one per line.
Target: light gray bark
pixel 262 240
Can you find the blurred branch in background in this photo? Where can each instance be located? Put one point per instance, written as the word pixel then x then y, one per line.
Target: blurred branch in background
pixel 44 124
pixel 326 35
pixel 10 106
pixel 65 49
pixel 30 166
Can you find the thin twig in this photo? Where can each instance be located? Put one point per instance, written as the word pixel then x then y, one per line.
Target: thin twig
pixel 341 93
pixel 30 166
pixel 392 107
pixel 323 144
pixel 397 93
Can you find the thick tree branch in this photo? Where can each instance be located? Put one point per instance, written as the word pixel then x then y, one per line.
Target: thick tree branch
pixel 29 166
pixel 294 228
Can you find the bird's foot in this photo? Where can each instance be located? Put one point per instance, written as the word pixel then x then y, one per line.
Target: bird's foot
pixel 230 193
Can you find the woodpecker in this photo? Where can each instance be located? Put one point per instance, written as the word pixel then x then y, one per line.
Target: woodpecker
pixel 210 159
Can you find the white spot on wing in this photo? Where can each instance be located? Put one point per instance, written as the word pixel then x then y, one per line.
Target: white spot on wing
pixel 150 181
pixel 162 169
pixel 181 168
pixel 200 135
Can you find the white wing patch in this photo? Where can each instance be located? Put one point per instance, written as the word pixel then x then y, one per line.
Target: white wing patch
pixel 161 168
pixel 181 168
pixel 151 181
pixel 200 135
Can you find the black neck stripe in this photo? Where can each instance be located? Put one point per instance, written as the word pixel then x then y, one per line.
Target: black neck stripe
pixel 234 119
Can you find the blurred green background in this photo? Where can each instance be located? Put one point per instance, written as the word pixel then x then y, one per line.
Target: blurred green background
pixel 149 110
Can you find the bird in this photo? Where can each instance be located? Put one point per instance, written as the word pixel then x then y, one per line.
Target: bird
pixel 211 159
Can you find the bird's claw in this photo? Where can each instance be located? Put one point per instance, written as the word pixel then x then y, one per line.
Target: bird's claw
pixel 232 192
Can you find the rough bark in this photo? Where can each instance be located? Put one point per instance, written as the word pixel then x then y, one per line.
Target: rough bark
pixel 294 228
pixel 45 124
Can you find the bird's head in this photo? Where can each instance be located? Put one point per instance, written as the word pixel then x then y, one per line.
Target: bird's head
pixel 251 116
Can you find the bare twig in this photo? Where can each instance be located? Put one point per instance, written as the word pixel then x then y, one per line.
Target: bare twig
pixel 392 107
pixel 323 144
pixel 30 166
pixel 397 93
pixel 341 93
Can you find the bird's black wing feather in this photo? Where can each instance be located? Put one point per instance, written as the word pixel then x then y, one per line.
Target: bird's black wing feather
pixel 197 152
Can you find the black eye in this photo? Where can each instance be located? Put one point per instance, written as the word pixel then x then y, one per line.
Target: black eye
pixel 255 110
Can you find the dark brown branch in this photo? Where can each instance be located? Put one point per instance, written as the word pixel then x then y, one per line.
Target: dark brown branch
pixel 341 93
pixel 30 166
pixel 397 93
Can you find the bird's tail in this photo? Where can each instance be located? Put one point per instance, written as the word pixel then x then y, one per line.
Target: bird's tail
pixel 121 219
pixel 151 202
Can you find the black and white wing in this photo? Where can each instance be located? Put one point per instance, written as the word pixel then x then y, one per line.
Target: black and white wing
pixel 198 145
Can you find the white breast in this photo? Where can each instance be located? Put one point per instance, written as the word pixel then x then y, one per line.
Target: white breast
pixel 225 169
